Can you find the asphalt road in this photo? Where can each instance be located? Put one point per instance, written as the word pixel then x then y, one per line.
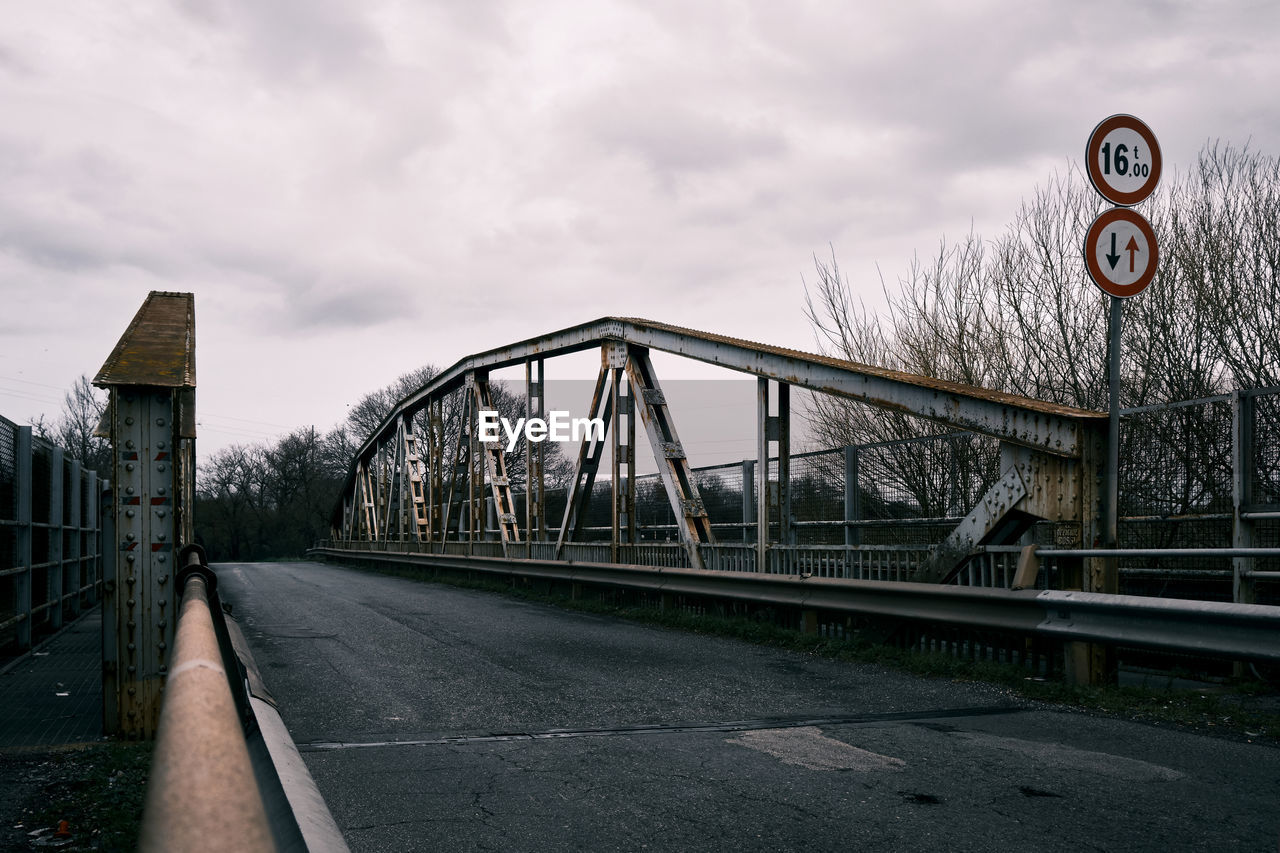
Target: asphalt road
pixel 434 718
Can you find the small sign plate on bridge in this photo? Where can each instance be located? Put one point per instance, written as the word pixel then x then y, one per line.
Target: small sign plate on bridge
pixel 1123 159
pixel 1121 253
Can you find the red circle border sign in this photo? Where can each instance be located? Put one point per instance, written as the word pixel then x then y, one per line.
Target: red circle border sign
pixel 1094 148
pixel 1091 237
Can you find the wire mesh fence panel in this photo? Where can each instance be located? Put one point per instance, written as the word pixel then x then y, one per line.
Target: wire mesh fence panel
pixel 1265 486
pixel 8 469
pixel 1176 459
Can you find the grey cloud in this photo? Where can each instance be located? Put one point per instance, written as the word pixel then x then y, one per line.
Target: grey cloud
pixel 674 138
pixel 295 40
pixel 353 306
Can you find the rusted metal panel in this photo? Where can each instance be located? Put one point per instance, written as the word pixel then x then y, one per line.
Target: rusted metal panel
pixel 158 348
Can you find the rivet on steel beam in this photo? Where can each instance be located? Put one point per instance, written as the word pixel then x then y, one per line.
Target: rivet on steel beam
pixel 161 603
pixel 128 421
pixel 162 646
pixel 160 558
pixel 129 444
pixel 128 466
pixel 131 647
pixel 132 602
pixel 159 421
pixel 163 669
pixel 163 578
pixel 160 445
pixel 130 537
pixel 132 624
pixel 132 669
pixel 132 691
pixel 130 580
pixel 164 623
pixel 161 467
pixel 160 536
pixel 160 513
pixel 160 491
pixel 128 490
pixel 130 558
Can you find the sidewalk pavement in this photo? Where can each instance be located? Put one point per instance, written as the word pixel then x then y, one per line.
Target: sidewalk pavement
pixel 53 696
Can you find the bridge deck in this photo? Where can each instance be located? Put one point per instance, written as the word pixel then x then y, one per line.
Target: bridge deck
pixel 438 718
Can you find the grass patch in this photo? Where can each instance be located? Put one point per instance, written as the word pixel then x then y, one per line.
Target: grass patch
pixel 98 790
pixel 1222 710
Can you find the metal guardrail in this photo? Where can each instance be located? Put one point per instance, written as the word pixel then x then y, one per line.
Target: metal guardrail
pixel 202 794
pixel 1232 631
pixel 225 776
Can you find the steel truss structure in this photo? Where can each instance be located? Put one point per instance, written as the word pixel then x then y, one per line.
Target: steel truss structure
pixel 459 499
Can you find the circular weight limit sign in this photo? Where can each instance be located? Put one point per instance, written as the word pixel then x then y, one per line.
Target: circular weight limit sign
pixel 1123 159
pixel 1120 252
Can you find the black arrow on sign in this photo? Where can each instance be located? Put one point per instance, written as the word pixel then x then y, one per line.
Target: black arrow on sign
pixel 1114 257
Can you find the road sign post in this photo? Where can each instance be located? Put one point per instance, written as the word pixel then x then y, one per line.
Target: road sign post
pixel 1123 161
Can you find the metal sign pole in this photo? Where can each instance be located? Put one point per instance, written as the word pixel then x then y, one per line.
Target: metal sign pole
pixel 1110 520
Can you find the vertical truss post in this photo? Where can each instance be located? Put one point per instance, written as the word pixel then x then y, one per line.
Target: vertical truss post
pixel 589 452
pixel 762 475
pixel 773 496
pixel 412 479
pixel 435 469
pixel 475 466
pixel 748 498
pixel 1242 420
pixel 150 377
pixel 459 466
pixel 852 497
pixel 366 510
pixel 495 469
pixel 623 525
pixel 141 628
pixel 673 465
pixel 535 406
pixel 381 502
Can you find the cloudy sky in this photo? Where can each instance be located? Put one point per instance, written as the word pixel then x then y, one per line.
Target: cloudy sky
pixel 353 189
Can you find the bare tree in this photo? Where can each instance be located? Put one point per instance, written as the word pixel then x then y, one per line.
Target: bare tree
pixel 1020 314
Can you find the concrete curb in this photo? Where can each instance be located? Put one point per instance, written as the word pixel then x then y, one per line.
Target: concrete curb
pixel 287 787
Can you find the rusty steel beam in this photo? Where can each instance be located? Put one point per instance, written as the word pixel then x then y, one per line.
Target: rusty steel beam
pixel 1022 420
pixel 1048 427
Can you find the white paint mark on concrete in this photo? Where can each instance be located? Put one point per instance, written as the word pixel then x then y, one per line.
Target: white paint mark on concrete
pixel 807 746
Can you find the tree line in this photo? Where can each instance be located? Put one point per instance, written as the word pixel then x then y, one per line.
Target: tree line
pixel 1020 314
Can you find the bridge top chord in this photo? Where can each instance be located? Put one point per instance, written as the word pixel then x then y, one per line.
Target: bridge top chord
pixel 158 348
pixel 1048 426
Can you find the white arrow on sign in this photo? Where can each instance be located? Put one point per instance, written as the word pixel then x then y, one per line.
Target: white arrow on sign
pixel 1120 252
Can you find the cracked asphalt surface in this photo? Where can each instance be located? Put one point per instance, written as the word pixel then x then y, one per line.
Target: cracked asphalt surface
pixel 438 718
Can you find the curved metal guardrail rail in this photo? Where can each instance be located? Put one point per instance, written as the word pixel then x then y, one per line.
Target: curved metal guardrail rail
pixel 225 775
pixel 1216 629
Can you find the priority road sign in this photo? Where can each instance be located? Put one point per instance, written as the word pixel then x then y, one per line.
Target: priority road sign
pixel 1120 252
pixel 1123 159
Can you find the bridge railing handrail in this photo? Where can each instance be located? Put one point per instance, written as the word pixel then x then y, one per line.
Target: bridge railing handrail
pixel 202 794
